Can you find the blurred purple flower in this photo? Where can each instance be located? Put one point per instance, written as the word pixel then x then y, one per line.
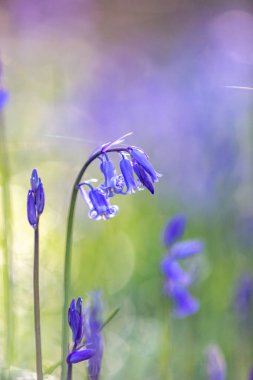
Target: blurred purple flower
pixel 174 229
pixel 4 97
pixel 251 374
pixel 177 280
pixel 93 334
pixel 216 365
pixel 243 299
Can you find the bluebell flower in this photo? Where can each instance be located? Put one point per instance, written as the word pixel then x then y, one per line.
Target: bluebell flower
pixel 137 173
pixel 127 171
pixel 143 177
pixel 243 300
pixel 177 279
pixel 93 334
pixel 4 97
pixel 141 158
pixel 98 203
pixel 35 199
pixel 216 365
pixel 174 230
pixel 112 183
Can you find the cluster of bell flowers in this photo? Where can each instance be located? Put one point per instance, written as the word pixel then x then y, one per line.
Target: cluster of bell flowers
pixel 87 338
pixel 136 173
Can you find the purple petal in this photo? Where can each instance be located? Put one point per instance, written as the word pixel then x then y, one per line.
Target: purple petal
pixel 183 302
pixel 251 374
pixel 185 249
pixel 216 366
pixel 142 160
pixel 244 295
pixel 80 355
pixel 174 272
pixel 35 180
pixel 31 211
pixel 174 229
pixel 143 177
pixel 128 174
pixel 40 199
pixel 4 97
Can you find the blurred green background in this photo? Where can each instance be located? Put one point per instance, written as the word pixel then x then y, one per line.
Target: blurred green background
pixel 179 75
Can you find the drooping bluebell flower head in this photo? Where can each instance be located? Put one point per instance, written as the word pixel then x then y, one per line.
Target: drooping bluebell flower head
pixel 177 279
pixel 35 199
pixel 136 173
pixel 216 365
pixel 93 334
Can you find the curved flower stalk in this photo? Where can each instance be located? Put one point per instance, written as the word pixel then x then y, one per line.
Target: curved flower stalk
pixel 87 339
pixel 35 207
pixel 177 280
pixel 216 365
pixel 136 173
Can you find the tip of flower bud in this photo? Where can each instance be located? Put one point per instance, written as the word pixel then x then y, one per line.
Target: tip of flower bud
pixel 35 180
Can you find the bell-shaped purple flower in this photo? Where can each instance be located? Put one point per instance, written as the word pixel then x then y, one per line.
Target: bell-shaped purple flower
pixel 75 319
pixel 174 230
pixel 31 210
pixel 101 207
pixel 128 174
pixel 143 177
pixel 216 365
pixel 142 159
pixel 108 169
pixel 98 203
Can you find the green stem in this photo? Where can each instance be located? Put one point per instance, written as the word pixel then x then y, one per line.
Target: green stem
pixel 7 246
pixel 67 262
pixel 36 295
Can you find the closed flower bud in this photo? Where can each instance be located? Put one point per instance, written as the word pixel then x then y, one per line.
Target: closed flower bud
pixel 31 210
pixel 40 199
